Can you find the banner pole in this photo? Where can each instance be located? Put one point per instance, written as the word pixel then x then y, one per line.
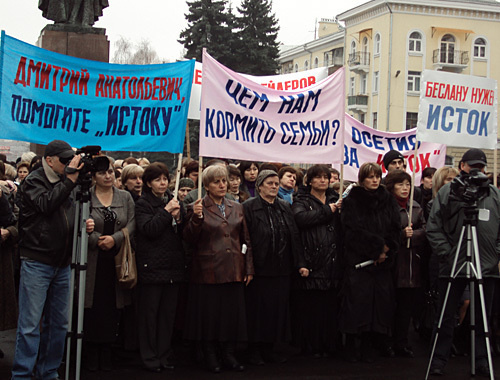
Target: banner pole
pixel 188 140
pixel 200 171
pixel 412 189
pixel 495 167
pixel 341 188
pixel 178 176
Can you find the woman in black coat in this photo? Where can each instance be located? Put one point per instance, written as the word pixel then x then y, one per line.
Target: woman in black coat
pixel 407 273
pixel 314 297
pixel 371 231
pixel 160 265
pixel 276 251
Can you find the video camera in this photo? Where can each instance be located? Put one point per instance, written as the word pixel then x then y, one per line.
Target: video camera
pixel 470 188
pixel 92 164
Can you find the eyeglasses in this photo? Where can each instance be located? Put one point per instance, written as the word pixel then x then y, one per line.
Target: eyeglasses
pixel 65 160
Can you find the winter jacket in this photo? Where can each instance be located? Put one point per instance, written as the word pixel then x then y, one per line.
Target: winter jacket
pixel 319 230
pixel 217 243
pixel 47 217
pixel 160 253
pixel 445 225
pixel 407 269
pixel 259 228
pixel 123 205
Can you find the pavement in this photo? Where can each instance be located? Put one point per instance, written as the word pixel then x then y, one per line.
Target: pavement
pixel 128 367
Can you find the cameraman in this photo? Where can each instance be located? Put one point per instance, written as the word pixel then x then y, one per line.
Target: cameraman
pixel 444 226
pixel 46 234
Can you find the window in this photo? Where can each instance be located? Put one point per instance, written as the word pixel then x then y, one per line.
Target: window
pixel 326 58
pixel 366 53
pixel 480 48
pixel 376 47
pixel 375 81
pixel 414 81
pixel 353 47
pixel 316 62
pixel 362 118
pixel 306 65
pixel 374 120
pixel 447 49
pixel 296 67
pixel 411 120
pixel 415 42
pixel 352 86
pixel 363 84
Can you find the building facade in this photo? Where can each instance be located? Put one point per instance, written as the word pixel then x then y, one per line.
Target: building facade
pixel 389 43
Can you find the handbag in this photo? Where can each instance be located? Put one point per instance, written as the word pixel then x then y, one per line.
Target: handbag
pixel 125 265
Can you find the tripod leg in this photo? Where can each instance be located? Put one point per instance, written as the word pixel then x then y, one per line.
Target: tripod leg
pixel 453 274
pixel 472 306
pixel 74 259
pixel 479 276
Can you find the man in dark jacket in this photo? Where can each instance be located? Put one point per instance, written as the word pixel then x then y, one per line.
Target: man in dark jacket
pixel 443 231
pixel 46 232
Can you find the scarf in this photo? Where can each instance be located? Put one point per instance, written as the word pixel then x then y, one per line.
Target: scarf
pixel 285 194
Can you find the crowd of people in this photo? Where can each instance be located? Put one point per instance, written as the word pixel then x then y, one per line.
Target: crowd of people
pixel 239 259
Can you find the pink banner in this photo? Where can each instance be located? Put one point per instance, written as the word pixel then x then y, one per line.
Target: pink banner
pixel 241 119
pixel 365 144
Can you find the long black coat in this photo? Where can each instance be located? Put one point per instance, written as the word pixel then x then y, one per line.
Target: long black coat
pixel 370 220
pixel 319 230
pixel 159 254
pixel 259 229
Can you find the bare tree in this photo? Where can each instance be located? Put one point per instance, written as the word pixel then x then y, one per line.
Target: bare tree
pixel 141 53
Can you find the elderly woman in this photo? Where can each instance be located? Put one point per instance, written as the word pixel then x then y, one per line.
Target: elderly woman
pixel 131 179
pixel 249 171
pixel 314 296
pixel 407 273
pixel 371 228
pixel 221 266
pixel 160 264
pixel 276 249
pixel 112 210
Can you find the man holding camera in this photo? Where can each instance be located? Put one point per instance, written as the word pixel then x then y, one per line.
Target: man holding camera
pixel 444 227
pixel 46 234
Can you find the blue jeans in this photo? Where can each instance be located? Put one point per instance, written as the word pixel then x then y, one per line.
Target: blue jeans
pixel 43 290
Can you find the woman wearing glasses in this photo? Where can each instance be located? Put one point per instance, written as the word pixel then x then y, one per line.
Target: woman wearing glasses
pixel 112 209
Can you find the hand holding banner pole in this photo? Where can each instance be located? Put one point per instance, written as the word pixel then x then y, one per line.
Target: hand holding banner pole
pixel 412 189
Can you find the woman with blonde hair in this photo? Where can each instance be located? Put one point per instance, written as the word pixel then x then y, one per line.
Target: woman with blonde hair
pixel 131 179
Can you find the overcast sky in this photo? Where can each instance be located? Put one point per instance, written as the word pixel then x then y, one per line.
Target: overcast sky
pixel 161 21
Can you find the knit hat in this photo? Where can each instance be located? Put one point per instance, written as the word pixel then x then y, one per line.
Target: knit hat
pixel 186 182
pixel 391 156
pixel 263 175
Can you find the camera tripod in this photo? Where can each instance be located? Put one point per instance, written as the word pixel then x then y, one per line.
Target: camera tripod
pixel 78 276
pixel 472 266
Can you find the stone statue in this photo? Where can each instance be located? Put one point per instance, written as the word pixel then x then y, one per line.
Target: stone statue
pixel 73 12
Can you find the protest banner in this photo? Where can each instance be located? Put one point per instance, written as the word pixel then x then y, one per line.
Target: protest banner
pixel 458 110
pixel 364 144
pixel 286 82
pixel 46 96
pixel 244 120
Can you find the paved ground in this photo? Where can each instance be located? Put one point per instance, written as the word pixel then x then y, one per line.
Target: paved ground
pixel 297 367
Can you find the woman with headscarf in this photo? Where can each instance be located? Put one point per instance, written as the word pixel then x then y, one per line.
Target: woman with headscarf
pixel 314 305
pixel 276 249
pixel 221 266
pixel 371 229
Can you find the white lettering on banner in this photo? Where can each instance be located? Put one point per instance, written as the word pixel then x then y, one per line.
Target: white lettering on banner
pixel 364 144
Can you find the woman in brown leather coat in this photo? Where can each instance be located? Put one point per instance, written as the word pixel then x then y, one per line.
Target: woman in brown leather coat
pixel 221 266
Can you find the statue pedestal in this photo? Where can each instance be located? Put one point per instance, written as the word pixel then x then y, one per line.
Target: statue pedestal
pixel 76 41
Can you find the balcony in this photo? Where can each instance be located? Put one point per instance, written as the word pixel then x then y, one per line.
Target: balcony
pixel 450 60
pixel 357 103
pixel 359 62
